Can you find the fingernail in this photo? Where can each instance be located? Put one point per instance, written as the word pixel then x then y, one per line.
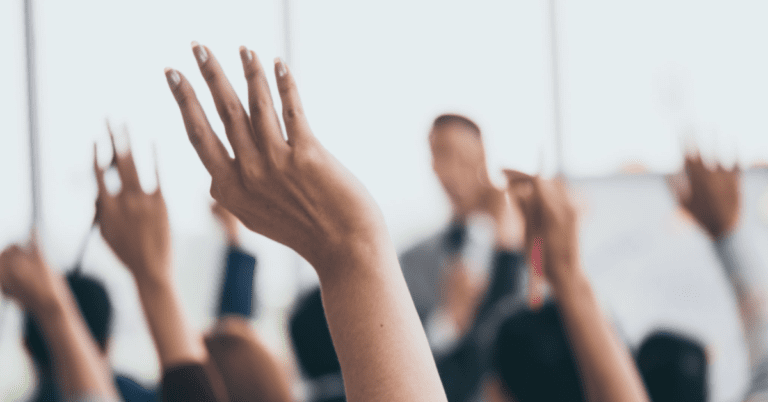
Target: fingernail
pixel 281 69
pixel 200 53
pixel 245 54
pixel 173 77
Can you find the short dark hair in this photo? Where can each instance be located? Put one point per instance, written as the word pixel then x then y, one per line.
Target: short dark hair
pixel 533 358
pixel 95 306
pixel 451 118
pixel 674 367
pixel 311 337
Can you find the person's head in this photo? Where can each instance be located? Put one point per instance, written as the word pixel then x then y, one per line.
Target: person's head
pixel 674 368
pixel 96 308
pixel 458 158
pixel 312 342
pixel 533 359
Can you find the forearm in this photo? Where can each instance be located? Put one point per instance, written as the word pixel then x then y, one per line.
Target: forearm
pixel 747 275
pixel 606 367
pixel 80 371
pixel 176 342
pixel 378 337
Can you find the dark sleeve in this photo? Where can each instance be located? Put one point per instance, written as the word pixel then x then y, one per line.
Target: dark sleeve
pixel 507 278
pixel 237 289
pixel 187 383
pixel 463 369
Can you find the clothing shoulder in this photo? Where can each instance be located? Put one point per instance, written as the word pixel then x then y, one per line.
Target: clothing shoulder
pixel 132 391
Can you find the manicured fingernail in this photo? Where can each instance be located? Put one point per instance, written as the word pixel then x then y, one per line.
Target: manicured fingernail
pixel 200 53
pixel 281 69
pixel 173 77
pixel 245 54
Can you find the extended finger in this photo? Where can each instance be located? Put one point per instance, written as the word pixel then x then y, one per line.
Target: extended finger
pixel 208 146
pixel 231 112
pixel 266 126
pixel 126 167
pixel 99 172
pixel 296 125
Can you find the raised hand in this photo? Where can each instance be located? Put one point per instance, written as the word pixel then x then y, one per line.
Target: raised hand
pixel 551 224
pixel 79 370
pixel 290 190
pixel 26 278
pixel 607 369
pixel 134 223
pixel 294 192
pixel 711 195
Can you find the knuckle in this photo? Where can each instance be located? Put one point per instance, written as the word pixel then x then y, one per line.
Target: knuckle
pixel 251 173
pixel 208 73
pixel 230 112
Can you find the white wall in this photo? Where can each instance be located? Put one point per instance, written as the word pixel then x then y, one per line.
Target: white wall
pixel 372 76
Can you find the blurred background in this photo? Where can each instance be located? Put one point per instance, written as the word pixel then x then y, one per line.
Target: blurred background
pixel 633 83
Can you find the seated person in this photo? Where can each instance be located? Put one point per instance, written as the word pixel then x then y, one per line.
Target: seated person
pixel 674 367
pixel 77 371
pixel 314 350
pixel 567 351
pixel 96 308
pixel 134 224
pixel 249 370
pixel 712 195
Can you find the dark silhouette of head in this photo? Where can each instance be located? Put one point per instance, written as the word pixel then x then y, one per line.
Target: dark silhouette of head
pixel 534 360
pixel 95 306
pixel 312 339
pixel 674 368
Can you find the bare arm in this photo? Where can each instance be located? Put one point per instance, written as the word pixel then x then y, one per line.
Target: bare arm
pixel 712 195
pixel 135 225
pixel 294 192
pixel 606 367
pixel 79 369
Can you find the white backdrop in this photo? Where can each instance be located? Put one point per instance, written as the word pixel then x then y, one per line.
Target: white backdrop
pixel 372 77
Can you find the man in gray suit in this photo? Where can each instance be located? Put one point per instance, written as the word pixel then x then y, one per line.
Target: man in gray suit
pixel 456 275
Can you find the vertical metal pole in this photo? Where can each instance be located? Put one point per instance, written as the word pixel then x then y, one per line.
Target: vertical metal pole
pixel 34 147
pixel 34 163
pixel 556 107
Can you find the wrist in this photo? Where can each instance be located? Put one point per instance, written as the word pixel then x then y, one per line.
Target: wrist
pixel 356 255
pixel 564 270
pixel 569 283
pixel 152 275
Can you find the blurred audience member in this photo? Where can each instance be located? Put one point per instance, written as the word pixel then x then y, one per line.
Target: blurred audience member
pixel 314 350
pixel 250 371
pixel 95 306
pixel 135 226
pixel 74 363
pixel 605 367
pixel 712 195
pixel 674 368
pixel 457 275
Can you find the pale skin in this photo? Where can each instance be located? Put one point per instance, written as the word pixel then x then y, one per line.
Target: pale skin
pixel 605 364
pixel 135 226
pixel 295 192
pixel 78 367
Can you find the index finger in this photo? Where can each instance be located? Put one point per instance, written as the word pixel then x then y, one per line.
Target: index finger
pixel 208 146
pixel 126 167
